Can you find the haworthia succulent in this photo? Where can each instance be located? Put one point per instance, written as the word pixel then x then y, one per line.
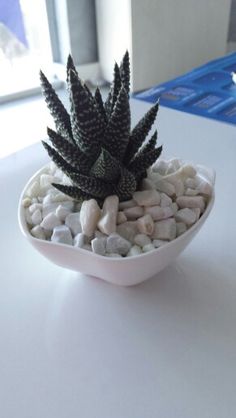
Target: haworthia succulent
pixel 57 109
pixel 93 145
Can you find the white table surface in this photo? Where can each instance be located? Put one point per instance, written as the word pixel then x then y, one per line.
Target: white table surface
pixel 74 346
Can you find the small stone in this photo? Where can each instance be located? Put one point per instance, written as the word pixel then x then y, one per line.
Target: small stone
pixel 161 167
pixel 141 240
pixel 159 242
pixel 34 207
pixel 147 197
pixel 165 200
pixel 50 222
pixel 133 213
pixel 61 234
pixel 117 244
pixel 46 181
pixel 99 245
pixel 121 218
pixel 191 183
pixel 165 229
pixel 34 190
pixel 172 165
pixel 36 217
pixel 128 230
pixel 62 212
pixel 147 184
pixel 38 232
pixel 79 240
pixel 49 208
pixel 191 192
pixel 197 212
pixel 26 202
pixel 107 223
pixel 73 222
pixel 165 187
pixel 134 250
pixel 99 234
pixel 148 247
pixel 185 215
pixel 204 188
pixel 127 204
pixel 191 202
pixel 145 224
pixel 89 216
pixel 28 217
pixel 180 228
pixel 157 213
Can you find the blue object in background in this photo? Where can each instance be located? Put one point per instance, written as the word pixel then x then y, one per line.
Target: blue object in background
pixel 11 17
pixel 206 91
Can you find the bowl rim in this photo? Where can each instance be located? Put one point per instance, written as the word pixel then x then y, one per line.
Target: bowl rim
pixel 25 231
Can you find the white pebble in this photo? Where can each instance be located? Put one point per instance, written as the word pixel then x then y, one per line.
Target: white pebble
pixel 34 190
pixel 99 245
pixel 38 232
pixel 61 234
pixel 121 218
pixel 87 247
pixel 191 192
pixel 165 200
pixel 72 220
pixel 28 217
pixel 79 240
pixel 133 213
pixel 107 223
pixel 145 224
pixel 141 240
pixel 147 197
pixel 46 181
pixel 197 212
pixel 35 206
pixel 89 216
pixel 165 229
pixel 157 213
pixel 50 222
pixel 161 167
pixel 174 207
pixel 128 230
pixel 180 228
pixel 127 204
pixel 135 250
pixel 62 212
pixel 147 184
pixel 26 202
pixel 165 187
pixel 36 217
pixel 185 215
pixel 191 202
pixel 148 247
pixel 117 244
pixel 191 183
pixel 204 188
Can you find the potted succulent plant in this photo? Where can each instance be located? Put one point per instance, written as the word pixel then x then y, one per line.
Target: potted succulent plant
pixel 107 205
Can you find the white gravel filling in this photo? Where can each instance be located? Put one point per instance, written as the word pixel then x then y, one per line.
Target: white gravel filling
pixel 171 200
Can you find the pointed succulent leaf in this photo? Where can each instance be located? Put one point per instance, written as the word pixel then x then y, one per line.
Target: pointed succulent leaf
pixel 58 160
pixel 106 167
pixel 114 91
pixel 144 160
pixel 125 71
pixel 126 185
pixel 100 106
pixel 86 124
pixel 150 145
pixel 92 185
pixel 70 66
pixel 70 152
pixel 117 132
pixel 57 109
pixel 140 132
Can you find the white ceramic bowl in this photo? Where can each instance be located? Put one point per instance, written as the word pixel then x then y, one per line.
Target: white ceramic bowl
pixel 121 271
